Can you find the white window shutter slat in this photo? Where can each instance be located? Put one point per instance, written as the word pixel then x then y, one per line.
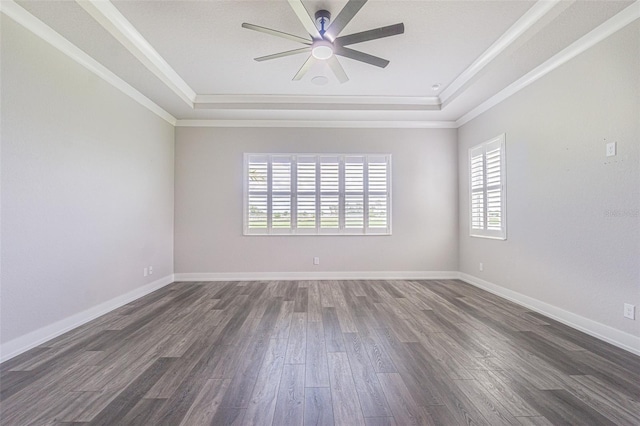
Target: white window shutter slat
pixel 288 194
pixel 354 193
pixel 256 212
pixel 487 189
pixel 329 193
pixel 378 186
pixel 306 193
pixel 280 193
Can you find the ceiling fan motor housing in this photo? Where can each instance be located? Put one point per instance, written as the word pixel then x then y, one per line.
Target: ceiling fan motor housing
pixel 322 19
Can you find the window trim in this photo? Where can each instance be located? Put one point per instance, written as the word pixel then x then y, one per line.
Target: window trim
pixel 500 234
pixel 342 230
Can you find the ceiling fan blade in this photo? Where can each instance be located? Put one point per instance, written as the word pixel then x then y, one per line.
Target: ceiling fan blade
pixel 361 56
pixel 283 54
pixel 276 33
pixel 305 67
pixel 374 34
pixel 344 17
pixel 303 16
pixel 337 69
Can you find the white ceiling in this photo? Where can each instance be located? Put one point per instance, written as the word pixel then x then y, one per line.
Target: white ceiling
pixel 195 61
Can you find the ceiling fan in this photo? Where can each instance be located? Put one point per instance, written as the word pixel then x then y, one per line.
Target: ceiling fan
pixel 324 43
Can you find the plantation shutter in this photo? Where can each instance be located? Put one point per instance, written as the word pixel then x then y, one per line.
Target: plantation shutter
pixel 493 173
pixel 281 194
pixel 306 197
pixel 378 199
pixel 332 194
pixel 487 189
pixel 477 187
pixel 258 194
pixel 329 193
pixel 354 193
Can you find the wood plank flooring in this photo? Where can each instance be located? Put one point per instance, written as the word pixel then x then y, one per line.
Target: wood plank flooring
pixel 322 353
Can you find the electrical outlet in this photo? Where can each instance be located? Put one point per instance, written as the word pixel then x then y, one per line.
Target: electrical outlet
pixel 150 270
pixel 481 266
pixel 611 149
pixel 629 311
pixel 316 260
pixel 144 272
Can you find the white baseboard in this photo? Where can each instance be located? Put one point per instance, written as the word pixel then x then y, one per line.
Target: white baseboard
pixel 338 275
pixel 598 330
pixel 30 340
pixel 601 331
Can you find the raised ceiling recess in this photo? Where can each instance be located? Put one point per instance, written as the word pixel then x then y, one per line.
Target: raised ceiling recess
pixel 191 62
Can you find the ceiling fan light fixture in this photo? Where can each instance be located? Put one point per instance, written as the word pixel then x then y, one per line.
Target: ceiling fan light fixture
pixel 322 50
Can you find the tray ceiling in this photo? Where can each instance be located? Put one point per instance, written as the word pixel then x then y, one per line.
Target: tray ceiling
pixel 195 61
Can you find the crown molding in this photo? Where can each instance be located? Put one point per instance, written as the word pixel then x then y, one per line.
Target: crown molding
pixel 606 29
pixel 14 11
pixel 320 124
pixel 107 15
pixel 526 21
pixel 317 102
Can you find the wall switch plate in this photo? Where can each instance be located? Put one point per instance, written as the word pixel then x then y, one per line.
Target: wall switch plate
pixel 611 149
pixel 629 311
pixel 316 260
pixel 481 267
pixel 144 272
pixel 150 270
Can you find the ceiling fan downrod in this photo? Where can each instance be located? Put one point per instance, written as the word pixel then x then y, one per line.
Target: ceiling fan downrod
pixel 322 18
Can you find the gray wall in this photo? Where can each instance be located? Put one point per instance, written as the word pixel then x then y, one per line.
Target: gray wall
pixel 87 188
pixel 572 214
pixel 208 227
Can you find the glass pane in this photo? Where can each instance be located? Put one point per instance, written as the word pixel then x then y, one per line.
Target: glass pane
pixel 257 211
pixel 477 210
pixel 377 177
pixel 378 211
pixel 329 177
pixel 281 177
pixel 494 209
pixel 353 211
pixel 306 211
pixel 306 177
pixel 281 211
pixel 257 176
pixel 353 177
pixel 329 217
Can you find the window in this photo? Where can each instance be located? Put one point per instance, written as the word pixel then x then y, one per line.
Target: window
pixel 311 194
pixel 487 191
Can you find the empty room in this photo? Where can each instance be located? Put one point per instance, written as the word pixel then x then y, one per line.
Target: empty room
pixel 320 212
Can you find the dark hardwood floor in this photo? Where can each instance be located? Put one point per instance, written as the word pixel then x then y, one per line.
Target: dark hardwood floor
pixel 322 353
